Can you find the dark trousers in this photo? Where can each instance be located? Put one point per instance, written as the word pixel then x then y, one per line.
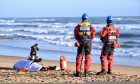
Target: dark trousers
pixel 84 50
pixel 107 54
pixel 108 49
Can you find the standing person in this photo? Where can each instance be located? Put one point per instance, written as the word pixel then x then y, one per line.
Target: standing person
pixel 84 34
pixel 109 35
pixel 33 52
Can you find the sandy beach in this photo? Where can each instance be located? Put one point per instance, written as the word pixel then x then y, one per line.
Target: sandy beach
pixel 7 75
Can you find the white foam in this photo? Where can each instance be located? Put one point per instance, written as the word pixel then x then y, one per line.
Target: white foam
pixel 118 19
pixel 96 39
pixel 129 26
pixel 121 26
pixel 7 21
pixel 42 19
pixel 133 52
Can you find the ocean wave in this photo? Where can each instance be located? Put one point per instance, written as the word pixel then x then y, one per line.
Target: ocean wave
pixel 43 19
pixel 127 46
pixel 130 27
pixel 27 20
pixel 132 42
pixel 7 21
pixel 14 25
pixel 65 40
pixel 125 19
pixel 118 19
pixel 55 46
pixel 130 35
pixel 39 25
pixel 128 52
pixel 132 19
pixel 66 25
pixel 54 28
pixel 120 26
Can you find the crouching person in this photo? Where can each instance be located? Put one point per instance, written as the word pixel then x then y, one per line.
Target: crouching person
pixel 33 54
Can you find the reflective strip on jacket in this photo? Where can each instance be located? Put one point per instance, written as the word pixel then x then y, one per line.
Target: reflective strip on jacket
pixel 84 29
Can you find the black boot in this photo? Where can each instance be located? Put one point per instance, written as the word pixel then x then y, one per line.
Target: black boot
pixel 77 74
pixel 101 73
pixel 109 72
pixel 86 74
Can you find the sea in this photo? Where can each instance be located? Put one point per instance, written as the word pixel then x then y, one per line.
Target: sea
pixel 55 36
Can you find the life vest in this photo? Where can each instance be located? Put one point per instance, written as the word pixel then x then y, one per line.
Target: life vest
pixel 84 32
pixel 111 34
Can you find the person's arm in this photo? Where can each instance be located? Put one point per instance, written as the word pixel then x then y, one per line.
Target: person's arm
pixel 37 48
pixel 103 35
pixel 76 32
pixel 103 32
pixel 92 32
pixel 116 44
pixel 44 69
pixel 117 33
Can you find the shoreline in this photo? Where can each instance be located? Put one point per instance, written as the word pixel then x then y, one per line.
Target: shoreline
pixel 49 53
pixel 54 55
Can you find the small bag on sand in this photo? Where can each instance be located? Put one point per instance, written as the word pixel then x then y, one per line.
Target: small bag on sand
pixel 52 67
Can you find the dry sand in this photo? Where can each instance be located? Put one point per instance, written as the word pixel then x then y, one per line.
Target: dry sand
pixel 7 75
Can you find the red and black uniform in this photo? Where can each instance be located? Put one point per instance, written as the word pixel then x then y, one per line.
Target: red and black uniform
pixel 84 34
pixel 109 36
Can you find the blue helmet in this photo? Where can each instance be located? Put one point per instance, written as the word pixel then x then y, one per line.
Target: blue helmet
pixel 84 16
pixel 109 18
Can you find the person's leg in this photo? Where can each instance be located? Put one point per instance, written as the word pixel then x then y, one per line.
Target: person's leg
pixel 103 62
pixel 104 54
pixel 110 60
pixel 110 63
pixel 87 62
pixel 79 59
pixel 88 47
pixel 103 58
pixel 32 55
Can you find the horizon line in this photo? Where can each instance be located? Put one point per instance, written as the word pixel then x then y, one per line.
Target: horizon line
pixel 61 16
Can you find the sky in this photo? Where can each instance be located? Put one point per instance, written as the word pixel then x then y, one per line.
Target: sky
pixel 68 8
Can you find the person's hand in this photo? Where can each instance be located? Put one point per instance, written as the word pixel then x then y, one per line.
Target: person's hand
pixel 116 45
pixel 77 44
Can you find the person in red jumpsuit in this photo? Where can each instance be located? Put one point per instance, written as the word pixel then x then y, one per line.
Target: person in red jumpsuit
pixel 108 35
pixel 84 34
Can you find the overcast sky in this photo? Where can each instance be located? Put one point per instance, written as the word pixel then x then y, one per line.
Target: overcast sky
pixel 68 8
